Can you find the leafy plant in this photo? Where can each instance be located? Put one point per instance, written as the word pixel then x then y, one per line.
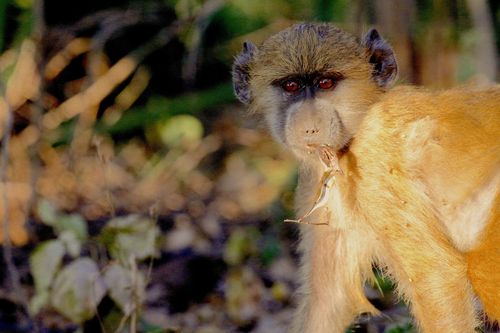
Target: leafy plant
pixel 76 288
pixel 402 328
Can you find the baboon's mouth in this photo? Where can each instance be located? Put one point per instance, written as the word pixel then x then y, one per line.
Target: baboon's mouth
pixel 315 147
pixel 328 156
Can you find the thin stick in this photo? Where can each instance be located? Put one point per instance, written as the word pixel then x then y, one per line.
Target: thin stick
pixel 301 221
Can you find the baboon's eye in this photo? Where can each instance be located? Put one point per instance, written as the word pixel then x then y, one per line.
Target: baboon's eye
pixel 326 83
pixel 291 86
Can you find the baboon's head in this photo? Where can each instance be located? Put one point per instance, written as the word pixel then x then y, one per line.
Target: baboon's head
pixel 313 83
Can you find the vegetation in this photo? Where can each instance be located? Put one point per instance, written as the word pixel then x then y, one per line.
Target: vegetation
pixel 136 194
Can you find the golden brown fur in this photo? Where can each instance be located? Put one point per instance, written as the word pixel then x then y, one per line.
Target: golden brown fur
pixel 391 198
pixel 419 194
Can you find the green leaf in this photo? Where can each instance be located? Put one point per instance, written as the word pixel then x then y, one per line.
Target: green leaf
pixel 72 244
pixel 24 4
pixel 45 262
pixel 269 250
pixel 61 222
pixel 126 287
pixel 38 301
pixel 132 235
pixel 25 21
pixel 73 223
pixel 383 283
pixel 240 245
pixel 179 129
pixel 401 328
pixel 46 212
pixel 77 290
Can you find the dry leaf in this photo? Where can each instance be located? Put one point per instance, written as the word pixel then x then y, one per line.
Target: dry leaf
pixel 330 162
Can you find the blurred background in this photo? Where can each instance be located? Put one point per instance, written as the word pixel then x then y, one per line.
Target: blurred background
pixel 136 194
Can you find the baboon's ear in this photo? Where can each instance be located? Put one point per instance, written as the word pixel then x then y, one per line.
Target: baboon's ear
pixel 381 56
pixel 241 75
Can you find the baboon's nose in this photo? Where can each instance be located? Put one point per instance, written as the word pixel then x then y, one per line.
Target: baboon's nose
pixel 312 135
pixel 312 131
pixel 308 125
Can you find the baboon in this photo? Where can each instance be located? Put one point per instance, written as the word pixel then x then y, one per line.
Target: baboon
pixel 416 178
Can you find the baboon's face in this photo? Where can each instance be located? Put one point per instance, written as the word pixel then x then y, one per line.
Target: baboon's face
pixel 313 83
